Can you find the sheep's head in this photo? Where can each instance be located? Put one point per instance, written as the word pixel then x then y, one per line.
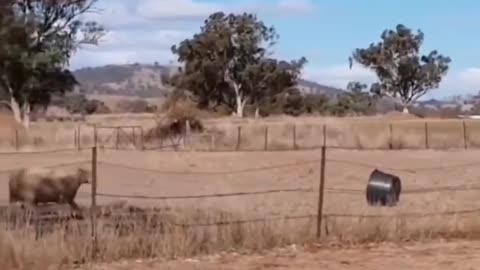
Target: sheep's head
pixel 84 176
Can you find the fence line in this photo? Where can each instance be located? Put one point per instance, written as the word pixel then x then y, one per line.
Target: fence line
pixel 52 151
pixel 412 171
pixel 280 166
pixel 408 215
pixel 292 144
pixel 465 187
pixel 218 195
pixel 256 169
pixel 326 215
pixel 322 162
pixel 51 166
pixel 293 190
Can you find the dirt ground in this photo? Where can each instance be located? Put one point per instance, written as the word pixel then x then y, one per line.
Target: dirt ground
pixel 462 255
pixel 347 172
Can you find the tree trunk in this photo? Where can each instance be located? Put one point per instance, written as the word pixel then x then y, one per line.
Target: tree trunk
pixel 405 109
pixel 240 105
pixel 26 115
pixel 20 114
pixel 257 112
pixel 17 113
pixel 240 101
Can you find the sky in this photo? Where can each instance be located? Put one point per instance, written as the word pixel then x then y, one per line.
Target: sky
pixel 324 31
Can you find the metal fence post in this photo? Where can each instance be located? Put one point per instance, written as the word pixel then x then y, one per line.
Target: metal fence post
pixel 321 188
pixel 93 208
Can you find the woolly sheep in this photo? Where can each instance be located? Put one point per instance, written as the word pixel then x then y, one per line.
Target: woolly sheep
pixel 43 185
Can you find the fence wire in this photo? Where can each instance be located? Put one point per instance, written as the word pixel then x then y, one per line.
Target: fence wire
pixel 51 151
pixel 247 170
pixel 217 195
pixel 463 187
pixel 50 166
pixel 335 215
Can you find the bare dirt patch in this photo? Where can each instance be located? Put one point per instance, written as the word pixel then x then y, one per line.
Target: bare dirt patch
pixel 432 255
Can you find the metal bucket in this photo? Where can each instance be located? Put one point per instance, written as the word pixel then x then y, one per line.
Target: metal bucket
pixel 383 189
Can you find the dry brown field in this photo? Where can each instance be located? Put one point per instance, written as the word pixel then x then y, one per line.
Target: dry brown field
pixel 436 185
pixel 453 255
pixel 391 131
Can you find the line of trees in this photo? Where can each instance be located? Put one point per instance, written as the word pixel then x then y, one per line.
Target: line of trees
pixel 228 65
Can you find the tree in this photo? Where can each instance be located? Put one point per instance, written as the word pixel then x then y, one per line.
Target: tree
pixel 361 101
pixel 227 63
pixel 294 104
pixel 316 103
pixel 270 77
pixel 37 39
pixel 355 101
pixel 401 71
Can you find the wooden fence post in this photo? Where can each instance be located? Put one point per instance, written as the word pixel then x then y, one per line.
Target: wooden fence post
pixel 187 134
pixel 117 140
pixel 390 144
pixel 427 146
pixel 239 138
pixel 17 143
pixel 265 146
pixel 294 135
pixel 324 135
pixel 79 139
pixel 465 136
pixel 212 142
pixel 134 138
pixel 142 139
pixel 321 188
pixel 93 208
pixel 75 140
pixel 95 135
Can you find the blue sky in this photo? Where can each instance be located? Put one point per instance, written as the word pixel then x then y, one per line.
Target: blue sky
pixel 324 31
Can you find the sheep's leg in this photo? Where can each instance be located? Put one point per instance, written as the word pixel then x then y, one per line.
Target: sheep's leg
pixel 12 197
pixel 73 204
pixel 77 213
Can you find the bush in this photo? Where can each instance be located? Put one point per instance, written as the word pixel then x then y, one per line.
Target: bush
pixel 176 121
pixel 79 104
pixel 135 106
pixel 94 106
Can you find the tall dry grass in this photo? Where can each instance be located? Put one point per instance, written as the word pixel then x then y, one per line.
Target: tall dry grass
pixel 282 133
pixel 134 238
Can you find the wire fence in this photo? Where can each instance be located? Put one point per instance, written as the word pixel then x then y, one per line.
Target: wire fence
pixel 395 135
pixel 318 186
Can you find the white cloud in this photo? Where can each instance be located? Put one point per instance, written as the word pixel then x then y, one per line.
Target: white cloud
pixel 123 47
pixel 296 6
pixel 471 77
pixel 138 40
pixel 192 10
pixel 181 9
pixel 339 75
pixel 461 82
pixel 143 30
pixel 94 58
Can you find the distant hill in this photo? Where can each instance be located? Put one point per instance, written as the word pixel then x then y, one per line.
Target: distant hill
pixel 145 81
pixel 125 80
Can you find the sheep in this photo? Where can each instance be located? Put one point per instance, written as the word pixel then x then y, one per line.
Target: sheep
pixel 43 185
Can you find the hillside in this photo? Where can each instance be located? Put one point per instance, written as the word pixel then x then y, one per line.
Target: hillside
pixel 144 80
pixel 124 80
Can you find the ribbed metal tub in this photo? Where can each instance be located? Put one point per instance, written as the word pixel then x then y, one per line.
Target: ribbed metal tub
pixel 383 189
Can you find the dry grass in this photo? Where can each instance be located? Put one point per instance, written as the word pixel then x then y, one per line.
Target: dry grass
pixel 345 170
pixel 222 133
pixel 20 250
